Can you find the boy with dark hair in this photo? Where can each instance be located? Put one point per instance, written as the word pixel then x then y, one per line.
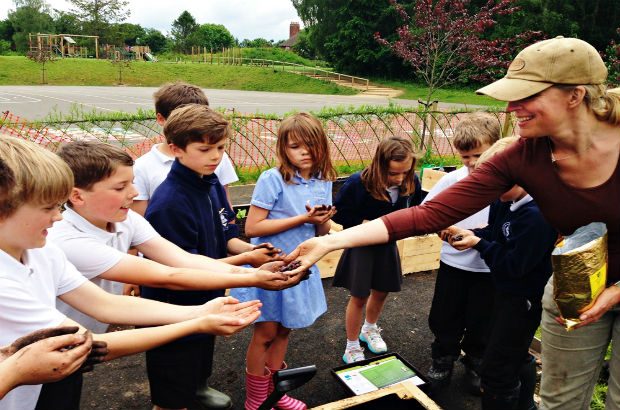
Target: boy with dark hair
pixel 517 246
pixel 463 300
pixel 153 167
pixel 191 210
pixel 98 228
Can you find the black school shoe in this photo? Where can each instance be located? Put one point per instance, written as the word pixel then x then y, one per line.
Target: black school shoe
pixel 210 399
pixel 440 373
pixel 472 377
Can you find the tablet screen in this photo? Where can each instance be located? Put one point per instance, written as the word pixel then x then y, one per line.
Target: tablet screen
pixel 377 374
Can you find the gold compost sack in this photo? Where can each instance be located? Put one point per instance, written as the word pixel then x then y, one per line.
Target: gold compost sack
pixel 579 271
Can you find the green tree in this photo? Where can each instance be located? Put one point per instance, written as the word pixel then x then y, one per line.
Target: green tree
pixel 342 33
pixel 156 41
pixel 29 16
pixel 97 15
pixel 6 30
pixel 594 21
pixel 66 23
pixel 256 43
pixel 182 28
pixel 125 33
pixel 443 42
pixel 304 46
pixel 211 36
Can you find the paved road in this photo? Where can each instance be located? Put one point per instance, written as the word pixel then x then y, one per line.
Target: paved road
pixel 36 102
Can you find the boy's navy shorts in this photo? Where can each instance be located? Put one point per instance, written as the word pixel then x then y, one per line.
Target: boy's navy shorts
pixel 178 369
pixel 64 394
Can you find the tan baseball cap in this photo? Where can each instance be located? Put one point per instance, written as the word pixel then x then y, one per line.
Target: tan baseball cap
pixel 539 66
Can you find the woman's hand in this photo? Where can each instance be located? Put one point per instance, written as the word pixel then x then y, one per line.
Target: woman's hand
pixel 308 253
pixel 605 301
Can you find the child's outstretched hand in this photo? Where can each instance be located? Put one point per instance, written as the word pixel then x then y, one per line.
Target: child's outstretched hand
pixel 320 214
pixel 228 316
pixel 449 232
pixel 225 304
pixel 463 239
pixel 262 254
pixel 270 276
pixel 47 355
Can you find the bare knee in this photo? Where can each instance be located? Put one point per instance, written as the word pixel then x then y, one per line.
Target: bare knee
pixel 265 335
pixel 357 302
pixel 378 296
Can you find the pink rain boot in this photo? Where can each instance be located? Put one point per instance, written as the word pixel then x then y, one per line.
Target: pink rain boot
pixel 286 402
pixel 257 389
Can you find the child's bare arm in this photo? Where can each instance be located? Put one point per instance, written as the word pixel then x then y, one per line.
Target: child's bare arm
pixel 167 253
pixel 246 253
pixel 257 223
pixel 133 341
pixel 225 317
pixel 108 308
pixel 131 269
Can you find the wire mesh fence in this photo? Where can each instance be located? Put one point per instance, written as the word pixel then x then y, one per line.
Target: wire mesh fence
pixel 353 136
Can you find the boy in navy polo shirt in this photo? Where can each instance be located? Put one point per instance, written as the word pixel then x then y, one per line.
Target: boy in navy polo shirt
pixel 516 245
pixel 190 209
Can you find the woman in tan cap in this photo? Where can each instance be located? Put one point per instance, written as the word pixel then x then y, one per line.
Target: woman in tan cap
pixel 568 160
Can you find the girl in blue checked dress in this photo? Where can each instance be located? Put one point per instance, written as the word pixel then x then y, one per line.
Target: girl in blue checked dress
pixel 290 204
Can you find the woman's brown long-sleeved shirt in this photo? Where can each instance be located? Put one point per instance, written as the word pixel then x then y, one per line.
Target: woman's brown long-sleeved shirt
pixel 526 163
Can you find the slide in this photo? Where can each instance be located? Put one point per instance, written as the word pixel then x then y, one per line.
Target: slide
pixel 150 57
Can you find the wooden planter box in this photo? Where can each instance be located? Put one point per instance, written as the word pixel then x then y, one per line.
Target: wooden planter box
pixel 417 254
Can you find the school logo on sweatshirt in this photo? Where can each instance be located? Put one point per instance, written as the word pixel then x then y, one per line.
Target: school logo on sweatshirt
pixel 506 230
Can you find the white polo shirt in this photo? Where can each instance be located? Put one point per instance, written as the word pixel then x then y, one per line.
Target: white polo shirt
pixel 152 168
pixel 93 251
pixel 28 294
pixel 468 259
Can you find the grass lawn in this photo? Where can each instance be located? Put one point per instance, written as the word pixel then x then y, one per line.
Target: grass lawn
pixel 453 95
pixel 17 70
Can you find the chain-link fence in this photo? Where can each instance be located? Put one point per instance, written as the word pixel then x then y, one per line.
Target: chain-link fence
pixel 353 136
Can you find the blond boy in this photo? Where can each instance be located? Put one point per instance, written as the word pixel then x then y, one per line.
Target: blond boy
pixel 34 273
pixel 463 299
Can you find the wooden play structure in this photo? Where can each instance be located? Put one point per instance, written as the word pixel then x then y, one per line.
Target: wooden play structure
pixel 62 45
pixel 112 52
pixel 65 45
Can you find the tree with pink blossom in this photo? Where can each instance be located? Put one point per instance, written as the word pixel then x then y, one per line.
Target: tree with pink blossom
pixel 445 42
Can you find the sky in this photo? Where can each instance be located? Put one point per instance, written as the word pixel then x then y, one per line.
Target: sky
pixel 269 19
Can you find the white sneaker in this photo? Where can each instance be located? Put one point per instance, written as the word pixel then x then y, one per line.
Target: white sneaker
pixel 372 337
pixel 354 354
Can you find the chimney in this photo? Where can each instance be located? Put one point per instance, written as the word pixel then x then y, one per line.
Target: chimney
pixel 293 29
